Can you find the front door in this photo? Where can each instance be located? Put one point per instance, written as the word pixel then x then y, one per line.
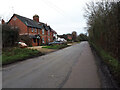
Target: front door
pixel 38 42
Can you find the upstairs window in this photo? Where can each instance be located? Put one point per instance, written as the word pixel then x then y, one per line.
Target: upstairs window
pixel 31 29
pixel 54 34
pixel 35 30
pixel 42 31
pixel 38 31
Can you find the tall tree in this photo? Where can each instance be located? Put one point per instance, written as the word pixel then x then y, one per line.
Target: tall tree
pixel 74 36
pixel 9 35
pixel 103 20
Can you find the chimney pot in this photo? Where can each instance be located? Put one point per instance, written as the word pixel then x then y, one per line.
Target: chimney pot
pixel 36 18
pixel 3 22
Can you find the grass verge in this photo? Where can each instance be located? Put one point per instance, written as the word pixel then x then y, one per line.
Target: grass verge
pixel 112 63
pixel 56 46
pixel 11 55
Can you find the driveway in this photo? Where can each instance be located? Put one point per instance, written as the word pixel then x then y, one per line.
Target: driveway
pixel 43 50
pixel 72 67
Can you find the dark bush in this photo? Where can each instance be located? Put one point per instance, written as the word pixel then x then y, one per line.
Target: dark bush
pixel 26 39
pixel 82 37
pixel 10 35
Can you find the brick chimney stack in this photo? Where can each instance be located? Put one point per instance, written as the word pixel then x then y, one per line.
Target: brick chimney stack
pixel 36 18
pixel 3 22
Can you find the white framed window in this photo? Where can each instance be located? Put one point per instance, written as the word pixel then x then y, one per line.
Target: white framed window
pixel 31 29
pixel 38 31
pixel 54 34
pixel 26 23
pixel 42 31
pixel 48 39
pixel 43 40
pixel 35 30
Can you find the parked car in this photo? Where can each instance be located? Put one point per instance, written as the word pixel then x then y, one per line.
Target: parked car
pixel 55 42
pixel 22 45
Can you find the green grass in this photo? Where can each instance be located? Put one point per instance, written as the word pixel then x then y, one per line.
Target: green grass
pixel 15 54
pixel 56 46
pixel 112 63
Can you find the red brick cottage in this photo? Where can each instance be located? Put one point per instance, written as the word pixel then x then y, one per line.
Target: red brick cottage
pixel 69 36
pixel 39 32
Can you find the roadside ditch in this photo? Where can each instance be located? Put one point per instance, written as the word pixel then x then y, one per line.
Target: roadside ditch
pixel 107 80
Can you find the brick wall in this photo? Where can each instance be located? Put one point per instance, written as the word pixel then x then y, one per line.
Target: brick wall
pixel 32 31
pixel 15 22
pixel 69 37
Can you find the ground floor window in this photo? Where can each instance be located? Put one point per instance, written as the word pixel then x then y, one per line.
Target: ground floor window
pixel 48 39
pixel 43 40
pixel 34 40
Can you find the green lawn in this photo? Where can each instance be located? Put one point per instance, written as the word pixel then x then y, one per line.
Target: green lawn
pixel 56 46
pixel 16 54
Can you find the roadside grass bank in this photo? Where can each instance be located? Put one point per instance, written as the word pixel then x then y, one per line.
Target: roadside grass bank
pixel 112 64
pixel 56 46
pixel 15 54
pixel 11 55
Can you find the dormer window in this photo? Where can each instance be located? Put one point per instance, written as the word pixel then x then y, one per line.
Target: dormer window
pixel 42 31
pixel 26 23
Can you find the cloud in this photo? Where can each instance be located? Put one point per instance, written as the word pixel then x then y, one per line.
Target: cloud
pixel 64 16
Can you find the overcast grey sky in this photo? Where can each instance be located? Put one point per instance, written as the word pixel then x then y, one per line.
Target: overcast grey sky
pixel 64 16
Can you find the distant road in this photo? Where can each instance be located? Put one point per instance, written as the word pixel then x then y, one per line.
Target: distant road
pixel 70 67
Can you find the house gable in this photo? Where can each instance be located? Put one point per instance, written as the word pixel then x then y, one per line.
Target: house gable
pixel 32 28
pixel 17 23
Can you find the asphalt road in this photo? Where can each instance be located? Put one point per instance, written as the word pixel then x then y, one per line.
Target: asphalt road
pixel 72 67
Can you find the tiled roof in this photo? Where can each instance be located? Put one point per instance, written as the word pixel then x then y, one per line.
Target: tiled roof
pixel 29 22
